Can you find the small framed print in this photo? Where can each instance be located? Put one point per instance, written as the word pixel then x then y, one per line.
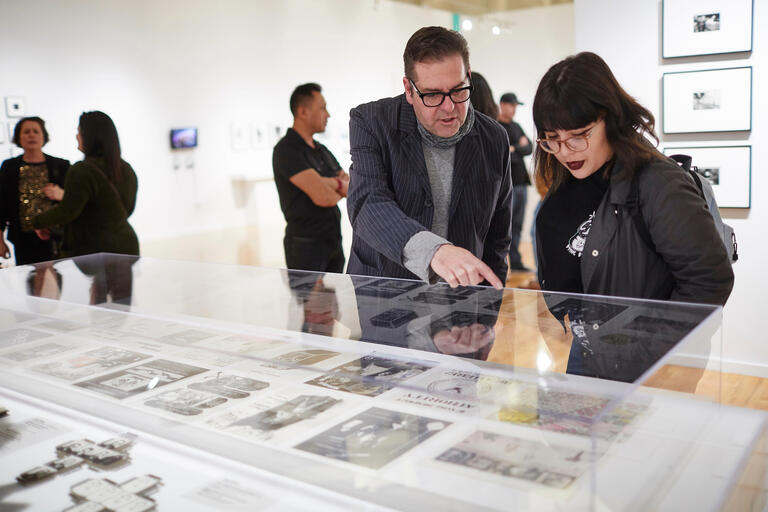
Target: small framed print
pixel 714 100
pixel 706 27
pixel 727 168
pixel 15 106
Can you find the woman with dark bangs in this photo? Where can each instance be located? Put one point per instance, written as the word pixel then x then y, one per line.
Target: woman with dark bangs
pixel 593 138
pixel 100 194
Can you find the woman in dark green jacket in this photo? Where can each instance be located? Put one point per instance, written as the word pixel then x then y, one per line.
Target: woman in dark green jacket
pixel 100 195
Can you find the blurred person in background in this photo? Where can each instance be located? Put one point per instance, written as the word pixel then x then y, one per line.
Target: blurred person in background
pixel 22 183
pixel 519 146
pixel 100 195
pixel 310 183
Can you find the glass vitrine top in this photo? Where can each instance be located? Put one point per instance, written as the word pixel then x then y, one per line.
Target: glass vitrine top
pixel 604 337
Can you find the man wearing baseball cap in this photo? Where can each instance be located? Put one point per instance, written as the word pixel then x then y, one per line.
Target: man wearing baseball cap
pixel 519 146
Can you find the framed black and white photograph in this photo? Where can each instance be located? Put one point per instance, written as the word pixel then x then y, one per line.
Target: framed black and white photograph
pixel 714 100
pixel 727 168
pixel 15 106
pixel 706 27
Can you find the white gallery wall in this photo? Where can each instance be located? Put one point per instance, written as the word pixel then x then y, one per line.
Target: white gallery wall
pixel 531 40
pixel 228 68
pixel 627 34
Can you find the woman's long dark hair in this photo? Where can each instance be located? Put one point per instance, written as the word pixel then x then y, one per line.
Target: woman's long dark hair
pixel 482 97
pixel 579 90
pixel 100 139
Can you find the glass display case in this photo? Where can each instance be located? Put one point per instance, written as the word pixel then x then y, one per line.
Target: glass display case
pixel 268 389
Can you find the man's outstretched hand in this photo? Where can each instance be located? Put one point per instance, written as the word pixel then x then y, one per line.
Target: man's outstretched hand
pixel 458 266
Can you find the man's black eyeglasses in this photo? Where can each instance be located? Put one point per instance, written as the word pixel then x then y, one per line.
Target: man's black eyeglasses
pixel 435 99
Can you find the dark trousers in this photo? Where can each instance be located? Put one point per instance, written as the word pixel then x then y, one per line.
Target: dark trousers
pixel 313 254
pixel 519 198
pixel 28 248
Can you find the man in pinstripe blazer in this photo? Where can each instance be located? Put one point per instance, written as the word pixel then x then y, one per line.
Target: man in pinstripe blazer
pixel 430 189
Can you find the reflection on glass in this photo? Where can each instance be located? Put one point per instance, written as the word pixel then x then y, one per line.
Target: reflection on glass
pixel 320 306
pixel 611 340
pixel 433 318
pixel 112 277
pixel 44 281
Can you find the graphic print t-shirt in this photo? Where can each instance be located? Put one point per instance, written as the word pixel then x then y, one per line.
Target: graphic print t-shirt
pixel 563 225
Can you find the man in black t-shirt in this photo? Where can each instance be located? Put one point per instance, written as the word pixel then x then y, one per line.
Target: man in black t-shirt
pixel 310 182
pixel 519 146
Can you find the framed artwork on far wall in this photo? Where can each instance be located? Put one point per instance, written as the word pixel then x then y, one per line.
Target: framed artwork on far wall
pixel 15 106
pixel 727 168
pixel 713 100
pixel 705 27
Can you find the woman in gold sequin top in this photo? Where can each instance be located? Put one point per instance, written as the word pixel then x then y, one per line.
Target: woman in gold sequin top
pixel 22 180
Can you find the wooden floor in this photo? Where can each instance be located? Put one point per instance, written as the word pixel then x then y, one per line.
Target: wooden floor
pixel 240 246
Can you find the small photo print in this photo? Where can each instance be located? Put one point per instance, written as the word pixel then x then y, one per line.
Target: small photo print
pixel 711 174
pixel 300 408
pixel 13 337
pixel 185 402
pixel 706 22
pixel 386 289
pixel 36 352
pixel 138 379
pixel 707 100
pixel 536 462
pixel 374 437
pixel 90 363
pixel 281 417
pixel 392 318
pixel 370 375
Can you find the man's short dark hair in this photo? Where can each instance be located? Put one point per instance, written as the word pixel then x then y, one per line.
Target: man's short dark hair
pixel 433 43
pixel 17 129
pixel 303 93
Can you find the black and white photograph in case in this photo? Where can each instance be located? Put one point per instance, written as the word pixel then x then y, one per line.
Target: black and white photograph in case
pixel 503 456
pixel 90 363
pixel 284 416
pixel 374 437
pixel 706 27
pixel 370 375
pixel 201 396
pixel 141 378
pixel 727 168
pixel 38 351
pixel 712 100
pixel 13 337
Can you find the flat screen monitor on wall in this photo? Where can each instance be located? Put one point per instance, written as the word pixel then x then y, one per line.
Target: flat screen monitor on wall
pixel 183 138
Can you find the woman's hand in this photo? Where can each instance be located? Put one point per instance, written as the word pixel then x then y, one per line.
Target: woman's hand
pixel 4 251
pixel 53 191
pixel 43 234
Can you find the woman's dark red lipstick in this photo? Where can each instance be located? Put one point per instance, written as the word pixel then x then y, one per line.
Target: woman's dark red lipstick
pixel 575 166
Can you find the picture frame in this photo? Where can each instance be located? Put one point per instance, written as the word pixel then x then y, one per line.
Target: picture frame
pixel 711 100
pixel 706 27
pixel 15 106
pixel 727 168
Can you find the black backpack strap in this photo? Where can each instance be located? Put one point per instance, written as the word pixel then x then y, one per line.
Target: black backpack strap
pixel 683 161
pixel 633 207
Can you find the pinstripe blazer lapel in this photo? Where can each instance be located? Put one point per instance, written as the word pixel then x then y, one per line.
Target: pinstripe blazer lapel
pixel 466 164
pixel 411 146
